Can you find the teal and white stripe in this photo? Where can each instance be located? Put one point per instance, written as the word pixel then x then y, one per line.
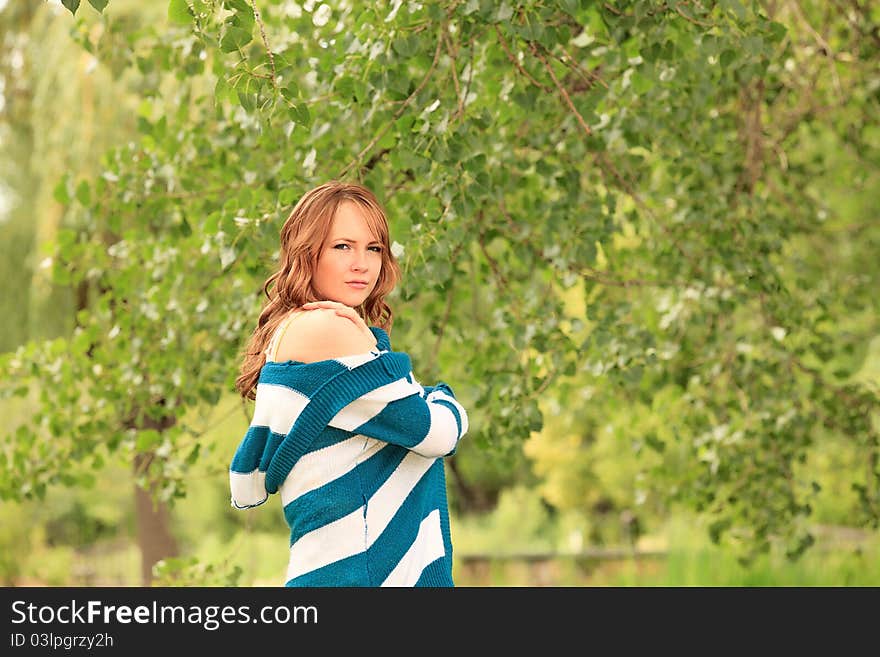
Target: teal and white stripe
pixel 355 447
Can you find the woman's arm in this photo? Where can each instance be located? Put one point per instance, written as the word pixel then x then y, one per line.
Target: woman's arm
pixel 429 423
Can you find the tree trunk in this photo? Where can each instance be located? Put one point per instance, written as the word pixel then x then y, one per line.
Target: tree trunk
pixel 155 539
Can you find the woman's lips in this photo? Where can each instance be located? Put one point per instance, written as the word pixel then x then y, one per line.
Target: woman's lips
pixel 357 286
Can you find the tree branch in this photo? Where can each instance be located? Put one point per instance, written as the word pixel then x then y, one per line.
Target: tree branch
pixel 518 66
pixel 561 89
pixel 399 112
pixel 259 21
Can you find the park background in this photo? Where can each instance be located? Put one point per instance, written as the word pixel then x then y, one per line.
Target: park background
pixel 638 239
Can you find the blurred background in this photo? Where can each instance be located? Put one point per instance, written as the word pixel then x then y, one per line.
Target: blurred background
pixel 638 239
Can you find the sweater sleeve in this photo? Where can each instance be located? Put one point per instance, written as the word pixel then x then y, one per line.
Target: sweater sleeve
pixel 429 421
pixel 372 394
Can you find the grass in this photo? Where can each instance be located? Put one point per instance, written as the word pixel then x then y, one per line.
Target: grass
pixel 841 557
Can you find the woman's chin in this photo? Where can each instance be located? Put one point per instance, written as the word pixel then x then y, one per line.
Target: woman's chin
pixel 352 300
pixel 350 297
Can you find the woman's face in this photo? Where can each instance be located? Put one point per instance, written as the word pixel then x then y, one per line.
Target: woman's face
pixel 350 259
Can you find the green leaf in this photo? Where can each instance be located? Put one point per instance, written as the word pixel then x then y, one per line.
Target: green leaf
pixel 736 7
pixel 641 83
pixel 99 4
pixel 65 238
pixel 242 19
pixel 247 101
pixel 405 46
pixel 237 5
pixel 83 193
pixel 60 275
pixel 290 92
pixel 71 5
pixel 727 58
pixel 212 222
pixel 570 7
pixel 526 99
pixel 344 86
pixel 179 12
pixel 193 456
pixel 60 192
pixel 222 91
pixel 147 438
pixel 185 228
pixel 289 195
pixel 300 114
pixel 652 441
pixel 234 39
pixel 777 32
pixel 503 13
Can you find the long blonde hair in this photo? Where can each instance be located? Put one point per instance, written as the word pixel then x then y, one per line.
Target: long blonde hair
pixel 302 238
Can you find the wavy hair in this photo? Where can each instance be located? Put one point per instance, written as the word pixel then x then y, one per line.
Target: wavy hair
pixel 302 238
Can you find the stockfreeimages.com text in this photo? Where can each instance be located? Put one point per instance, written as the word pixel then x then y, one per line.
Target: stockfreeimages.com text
pixel 210 617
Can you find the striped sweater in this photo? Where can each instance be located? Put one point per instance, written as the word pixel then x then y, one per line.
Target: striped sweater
pixel 355 448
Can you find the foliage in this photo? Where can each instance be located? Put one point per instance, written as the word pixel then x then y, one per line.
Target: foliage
pixel 189 571
pixel 667 160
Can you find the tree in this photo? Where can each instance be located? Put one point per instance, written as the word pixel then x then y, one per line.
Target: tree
pixel 662 158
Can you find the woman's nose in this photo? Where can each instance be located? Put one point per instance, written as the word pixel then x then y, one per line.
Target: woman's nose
pixel 359 263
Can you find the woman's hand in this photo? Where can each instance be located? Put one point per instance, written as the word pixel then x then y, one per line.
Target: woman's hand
pixel 343 311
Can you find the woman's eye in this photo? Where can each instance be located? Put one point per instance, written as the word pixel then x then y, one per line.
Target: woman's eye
pixel 377 249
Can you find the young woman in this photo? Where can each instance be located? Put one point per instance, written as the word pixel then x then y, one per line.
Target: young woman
pixel 341 428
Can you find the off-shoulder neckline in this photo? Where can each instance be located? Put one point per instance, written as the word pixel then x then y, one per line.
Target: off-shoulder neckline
pixel 382 344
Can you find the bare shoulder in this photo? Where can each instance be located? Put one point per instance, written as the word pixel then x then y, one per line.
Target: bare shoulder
pixel 321 334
